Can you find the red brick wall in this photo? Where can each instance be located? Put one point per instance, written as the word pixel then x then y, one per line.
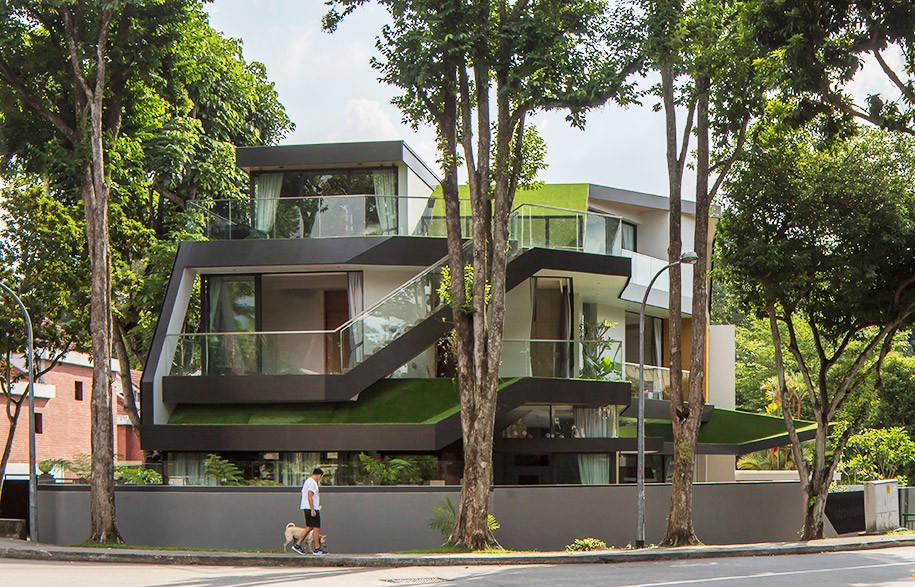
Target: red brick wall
pixel 65 421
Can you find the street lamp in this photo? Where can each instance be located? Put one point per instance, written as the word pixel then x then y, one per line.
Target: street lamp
pixel 33 481
pixel 689 258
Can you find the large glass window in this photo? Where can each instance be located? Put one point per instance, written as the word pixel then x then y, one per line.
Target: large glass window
pixel 296 204
pixel 230 303
pixel 230 309
pixel 630 236
pixel 654 339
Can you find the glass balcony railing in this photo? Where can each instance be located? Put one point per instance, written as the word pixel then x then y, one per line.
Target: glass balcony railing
pixel 657 380
pixel 644 267
pixel 576 359
pixel 533 225
pixel 397 313
pixel 373 215
pixel 258 353
pixel 320 216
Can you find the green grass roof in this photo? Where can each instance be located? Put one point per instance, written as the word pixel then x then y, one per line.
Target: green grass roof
pixel 390 401
pixel 727 427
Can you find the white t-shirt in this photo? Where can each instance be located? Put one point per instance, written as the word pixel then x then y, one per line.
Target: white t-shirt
pixel 311 486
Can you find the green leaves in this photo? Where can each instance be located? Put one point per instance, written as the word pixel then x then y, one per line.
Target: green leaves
pixel 882 453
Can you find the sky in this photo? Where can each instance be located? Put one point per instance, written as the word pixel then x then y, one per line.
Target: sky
pixel 332 94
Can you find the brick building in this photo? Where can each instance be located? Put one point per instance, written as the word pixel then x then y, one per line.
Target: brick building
pixel 62 416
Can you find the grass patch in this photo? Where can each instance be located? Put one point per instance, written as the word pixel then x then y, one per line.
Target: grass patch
pixel 900 532
pixel 390 401
pixel 726 427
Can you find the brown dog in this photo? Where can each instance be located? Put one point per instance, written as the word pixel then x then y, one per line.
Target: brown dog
pixel 293 533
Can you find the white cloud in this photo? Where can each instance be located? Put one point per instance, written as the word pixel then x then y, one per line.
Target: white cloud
pixel 871 79
pixel 367 120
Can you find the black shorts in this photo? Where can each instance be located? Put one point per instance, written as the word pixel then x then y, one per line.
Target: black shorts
pixel 312 522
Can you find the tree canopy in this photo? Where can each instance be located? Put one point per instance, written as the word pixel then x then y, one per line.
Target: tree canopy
pixel 818 235
pixel 817 48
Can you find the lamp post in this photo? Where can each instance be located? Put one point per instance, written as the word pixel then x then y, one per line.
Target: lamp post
pixel 690 258
pixel 33 481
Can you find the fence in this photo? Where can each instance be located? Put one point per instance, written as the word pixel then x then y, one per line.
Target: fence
pixel 386 519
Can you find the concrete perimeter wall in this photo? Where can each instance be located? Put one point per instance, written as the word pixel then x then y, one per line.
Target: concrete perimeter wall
pixel 385 519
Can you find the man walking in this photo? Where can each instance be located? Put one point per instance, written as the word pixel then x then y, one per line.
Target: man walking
pixel 311 507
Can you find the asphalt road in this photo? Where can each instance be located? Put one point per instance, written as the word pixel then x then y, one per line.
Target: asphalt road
pixel 875 568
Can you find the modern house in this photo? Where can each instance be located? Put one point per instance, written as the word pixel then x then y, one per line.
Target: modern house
pixel 308 329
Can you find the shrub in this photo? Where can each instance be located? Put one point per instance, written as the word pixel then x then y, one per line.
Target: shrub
pixel 225 472
pixel 443 519
pixel 136 476
pixel 583 544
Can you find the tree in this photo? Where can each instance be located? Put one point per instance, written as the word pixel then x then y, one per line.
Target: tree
pixel 897 394
pixel 119 106
pixel 815 50
pixel 819 233
pixel 881 453
pixel 176 147
pixel 705 58
pixel 41 256
pixel 475 71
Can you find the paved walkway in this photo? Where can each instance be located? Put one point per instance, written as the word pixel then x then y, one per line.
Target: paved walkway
pixel 18 549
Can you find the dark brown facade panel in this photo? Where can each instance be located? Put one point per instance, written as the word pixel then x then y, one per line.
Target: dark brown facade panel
pixel 349 437
pixel 573 445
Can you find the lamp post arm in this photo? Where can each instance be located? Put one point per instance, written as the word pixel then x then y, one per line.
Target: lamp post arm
pixel 30 366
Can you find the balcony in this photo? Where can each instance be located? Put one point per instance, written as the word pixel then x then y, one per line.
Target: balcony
pixel 414 303
pixel 319 216
pixel 644 268
pixel 657 380
pixel 371 215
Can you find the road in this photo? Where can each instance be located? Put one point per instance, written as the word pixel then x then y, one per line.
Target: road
pixel 875 568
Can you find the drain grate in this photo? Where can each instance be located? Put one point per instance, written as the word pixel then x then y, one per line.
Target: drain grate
pixel 415 580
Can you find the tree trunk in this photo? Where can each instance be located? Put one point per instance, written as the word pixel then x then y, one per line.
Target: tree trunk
pixel 103 527
pixel 13 418
pixel 686 419
pixel 675 187
pixel 130 396
pixel 814 510
pixel 471 529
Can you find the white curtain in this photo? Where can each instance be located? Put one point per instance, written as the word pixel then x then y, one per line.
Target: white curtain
pixel 594 469
pixel 188 467
pixel 267 188
pixel 354 294
pixel 385 200
pixel 658 328
pixel 294 467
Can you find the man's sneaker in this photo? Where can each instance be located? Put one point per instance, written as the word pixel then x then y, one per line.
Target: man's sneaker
pixel 298 548
pixel 320 551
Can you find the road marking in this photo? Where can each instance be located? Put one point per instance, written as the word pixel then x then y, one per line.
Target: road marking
pixel 770 575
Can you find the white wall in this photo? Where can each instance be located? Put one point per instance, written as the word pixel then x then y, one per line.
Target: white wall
pixel 377 283
pixel 652 234
pixel 415 204
pixel 721 357
pixel 518 311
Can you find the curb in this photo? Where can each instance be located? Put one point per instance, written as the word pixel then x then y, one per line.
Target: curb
pixel 63 554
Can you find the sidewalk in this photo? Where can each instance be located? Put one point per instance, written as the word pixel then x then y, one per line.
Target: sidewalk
pixel 17 549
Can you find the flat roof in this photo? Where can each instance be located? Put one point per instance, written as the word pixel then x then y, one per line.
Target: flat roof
pixel 334 155
pixel 633 198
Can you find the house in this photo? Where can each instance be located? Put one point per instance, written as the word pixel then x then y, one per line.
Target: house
pixel 308 330
pixel 62 415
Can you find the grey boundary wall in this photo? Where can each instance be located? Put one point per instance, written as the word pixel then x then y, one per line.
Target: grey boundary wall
pixel 387 519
